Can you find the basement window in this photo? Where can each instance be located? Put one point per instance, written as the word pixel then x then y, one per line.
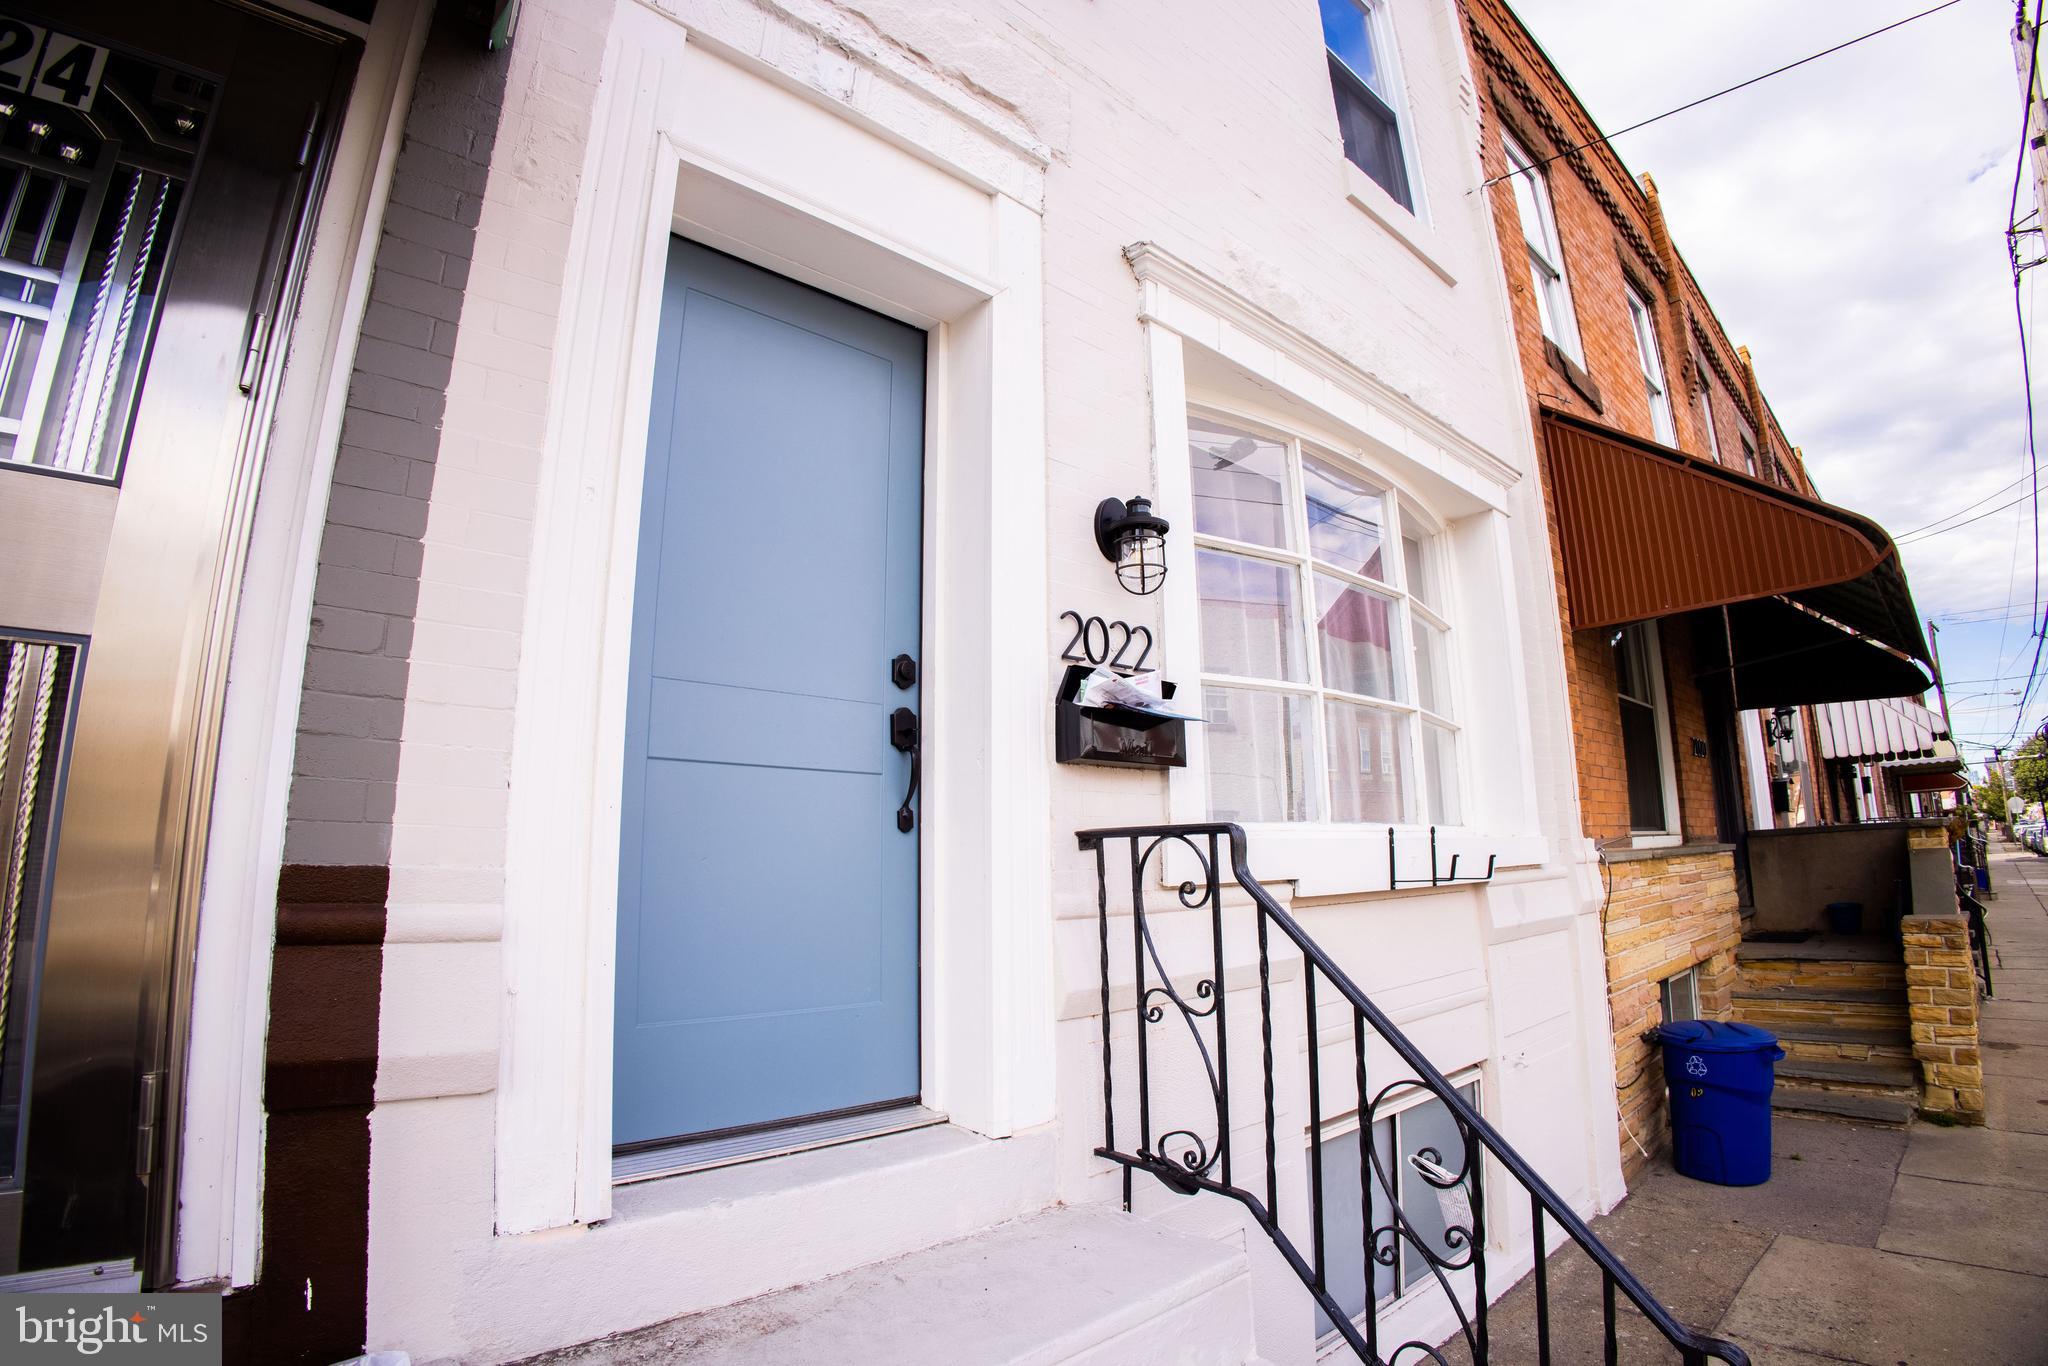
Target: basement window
pixel 1679 996
pixel 1420 1126
pixel 1362 79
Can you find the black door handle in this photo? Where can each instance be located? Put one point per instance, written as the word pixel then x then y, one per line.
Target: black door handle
pixel 903 735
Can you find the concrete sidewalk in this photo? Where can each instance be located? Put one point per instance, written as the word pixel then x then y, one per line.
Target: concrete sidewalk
pixel 1868 1245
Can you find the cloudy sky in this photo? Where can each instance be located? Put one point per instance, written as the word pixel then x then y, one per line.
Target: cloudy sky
pixel 1847 219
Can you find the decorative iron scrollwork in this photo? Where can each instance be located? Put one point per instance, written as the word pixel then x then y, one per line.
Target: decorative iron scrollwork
pixel 1183 1160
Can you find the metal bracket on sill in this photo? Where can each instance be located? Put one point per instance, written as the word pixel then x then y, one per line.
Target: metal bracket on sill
pixel 1435 878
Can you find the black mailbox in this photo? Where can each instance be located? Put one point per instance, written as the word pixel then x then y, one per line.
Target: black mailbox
pixel 1115 737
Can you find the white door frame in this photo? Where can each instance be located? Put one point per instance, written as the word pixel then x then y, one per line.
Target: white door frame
pixel 655 165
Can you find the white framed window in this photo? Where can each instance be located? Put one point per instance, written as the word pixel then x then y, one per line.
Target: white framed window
pixel 1546 251
pixel 1411 1126
pixel 1364 81
pixel 1325 627
pixel 1706 400
pixel 1645 732
pixel 1678 996
pixel 1748 456
pixel 1652 361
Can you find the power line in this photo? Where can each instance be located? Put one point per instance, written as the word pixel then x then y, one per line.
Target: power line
pixel 1910 539
pixel 1985 617
pixel 1742 85
pixel 1914 531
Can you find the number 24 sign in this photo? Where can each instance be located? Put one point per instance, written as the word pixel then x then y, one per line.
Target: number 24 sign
pixel 49 66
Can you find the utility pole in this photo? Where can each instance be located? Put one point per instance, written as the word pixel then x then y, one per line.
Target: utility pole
pixel 1934 648
pixel 2024 50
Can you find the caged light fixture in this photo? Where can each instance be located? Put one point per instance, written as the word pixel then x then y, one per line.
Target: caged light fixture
pixel 1133 538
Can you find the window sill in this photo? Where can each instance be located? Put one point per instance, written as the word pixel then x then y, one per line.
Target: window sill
pixel 1574 374
pixel 1329 860
pixel 1659 847
pixel 1407 228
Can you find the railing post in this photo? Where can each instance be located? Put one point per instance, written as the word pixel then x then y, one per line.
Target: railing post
pixel 1108 1058
pixel 1372 1299
pixel 1475 1177
pixel 1315 1127
pixel 1138 999
pixel 1266 1046
pixel 1222 1015
pixel 1607 1317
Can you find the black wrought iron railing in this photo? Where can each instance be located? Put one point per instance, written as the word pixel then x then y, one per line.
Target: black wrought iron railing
pixel 1980 940
pixel 1446 1246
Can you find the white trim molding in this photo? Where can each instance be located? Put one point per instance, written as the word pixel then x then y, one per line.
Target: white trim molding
pixel 1293 382
pixel 679 143
pixel 1190 301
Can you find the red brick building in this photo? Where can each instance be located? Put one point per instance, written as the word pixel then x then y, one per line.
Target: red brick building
pixel 1700 580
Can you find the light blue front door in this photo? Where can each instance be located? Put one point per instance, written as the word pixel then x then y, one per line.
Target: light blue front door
pixel 768 946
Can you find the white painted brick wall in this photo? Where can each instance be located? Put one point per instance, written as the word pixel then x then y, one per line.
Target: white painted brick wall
pixel 367 587
pixel 1205 126
pixel 447 832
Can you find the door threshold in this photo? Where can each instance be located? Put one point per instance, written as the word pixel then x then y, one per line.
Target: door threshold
pixel 89 1278
pixel 701 1154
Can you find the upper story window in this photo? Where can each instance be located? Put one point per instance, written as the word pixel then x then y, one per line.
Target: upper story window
pixel 1361 75
pixel 1645 323
pixel 1546 252
pixel 1748 456
pixel 1326 673
pixel 1706 398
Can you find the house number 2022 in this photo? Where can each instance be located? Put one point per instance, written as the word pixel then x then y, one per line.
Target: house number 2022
pixel 1093 637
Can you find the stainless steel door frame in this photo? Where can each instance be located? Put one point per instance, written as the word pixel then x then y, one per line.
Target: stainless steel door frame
pixel 38 711
pixel 114 1019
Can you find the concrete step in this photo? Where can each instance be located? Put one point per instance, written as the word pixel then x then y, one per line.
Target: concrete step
pixel 1882 1074
pixel 1805 1100
pixel 700 1242
pixel 1091 1286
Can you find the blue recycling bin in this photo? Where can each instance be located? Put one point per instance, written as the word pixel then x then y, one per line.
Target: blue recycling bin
pixel 1720 1075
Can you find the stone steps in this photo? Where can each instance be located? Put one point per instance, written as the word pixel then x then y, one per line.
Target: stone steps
pixel 1824 976
pixel 1834 1103
pixel 1877 1075
pixel 1830 1043
pixel 1805 1011
pixel 1860 995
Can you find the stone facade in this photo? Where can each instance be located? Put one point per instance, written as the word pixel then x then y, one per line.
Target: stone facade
pixel 1941 992
pixel 1663 915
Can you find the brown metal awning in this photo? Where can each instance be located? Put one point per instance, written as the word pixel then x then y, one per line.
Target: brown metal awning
pixel 1819 610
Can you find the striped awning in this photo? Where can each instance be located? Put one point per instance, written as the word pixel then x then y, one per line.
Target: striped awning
pixel 1816 594
pixel 1888 728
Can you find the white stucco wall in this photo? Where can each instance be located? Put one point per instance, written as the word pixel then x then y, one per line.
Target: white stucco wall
pixel 1073 130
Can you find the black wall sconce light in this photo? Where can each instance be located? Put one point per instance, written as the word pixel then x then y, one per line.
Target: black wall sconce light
pixel 1778 725
pixel 1132 538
